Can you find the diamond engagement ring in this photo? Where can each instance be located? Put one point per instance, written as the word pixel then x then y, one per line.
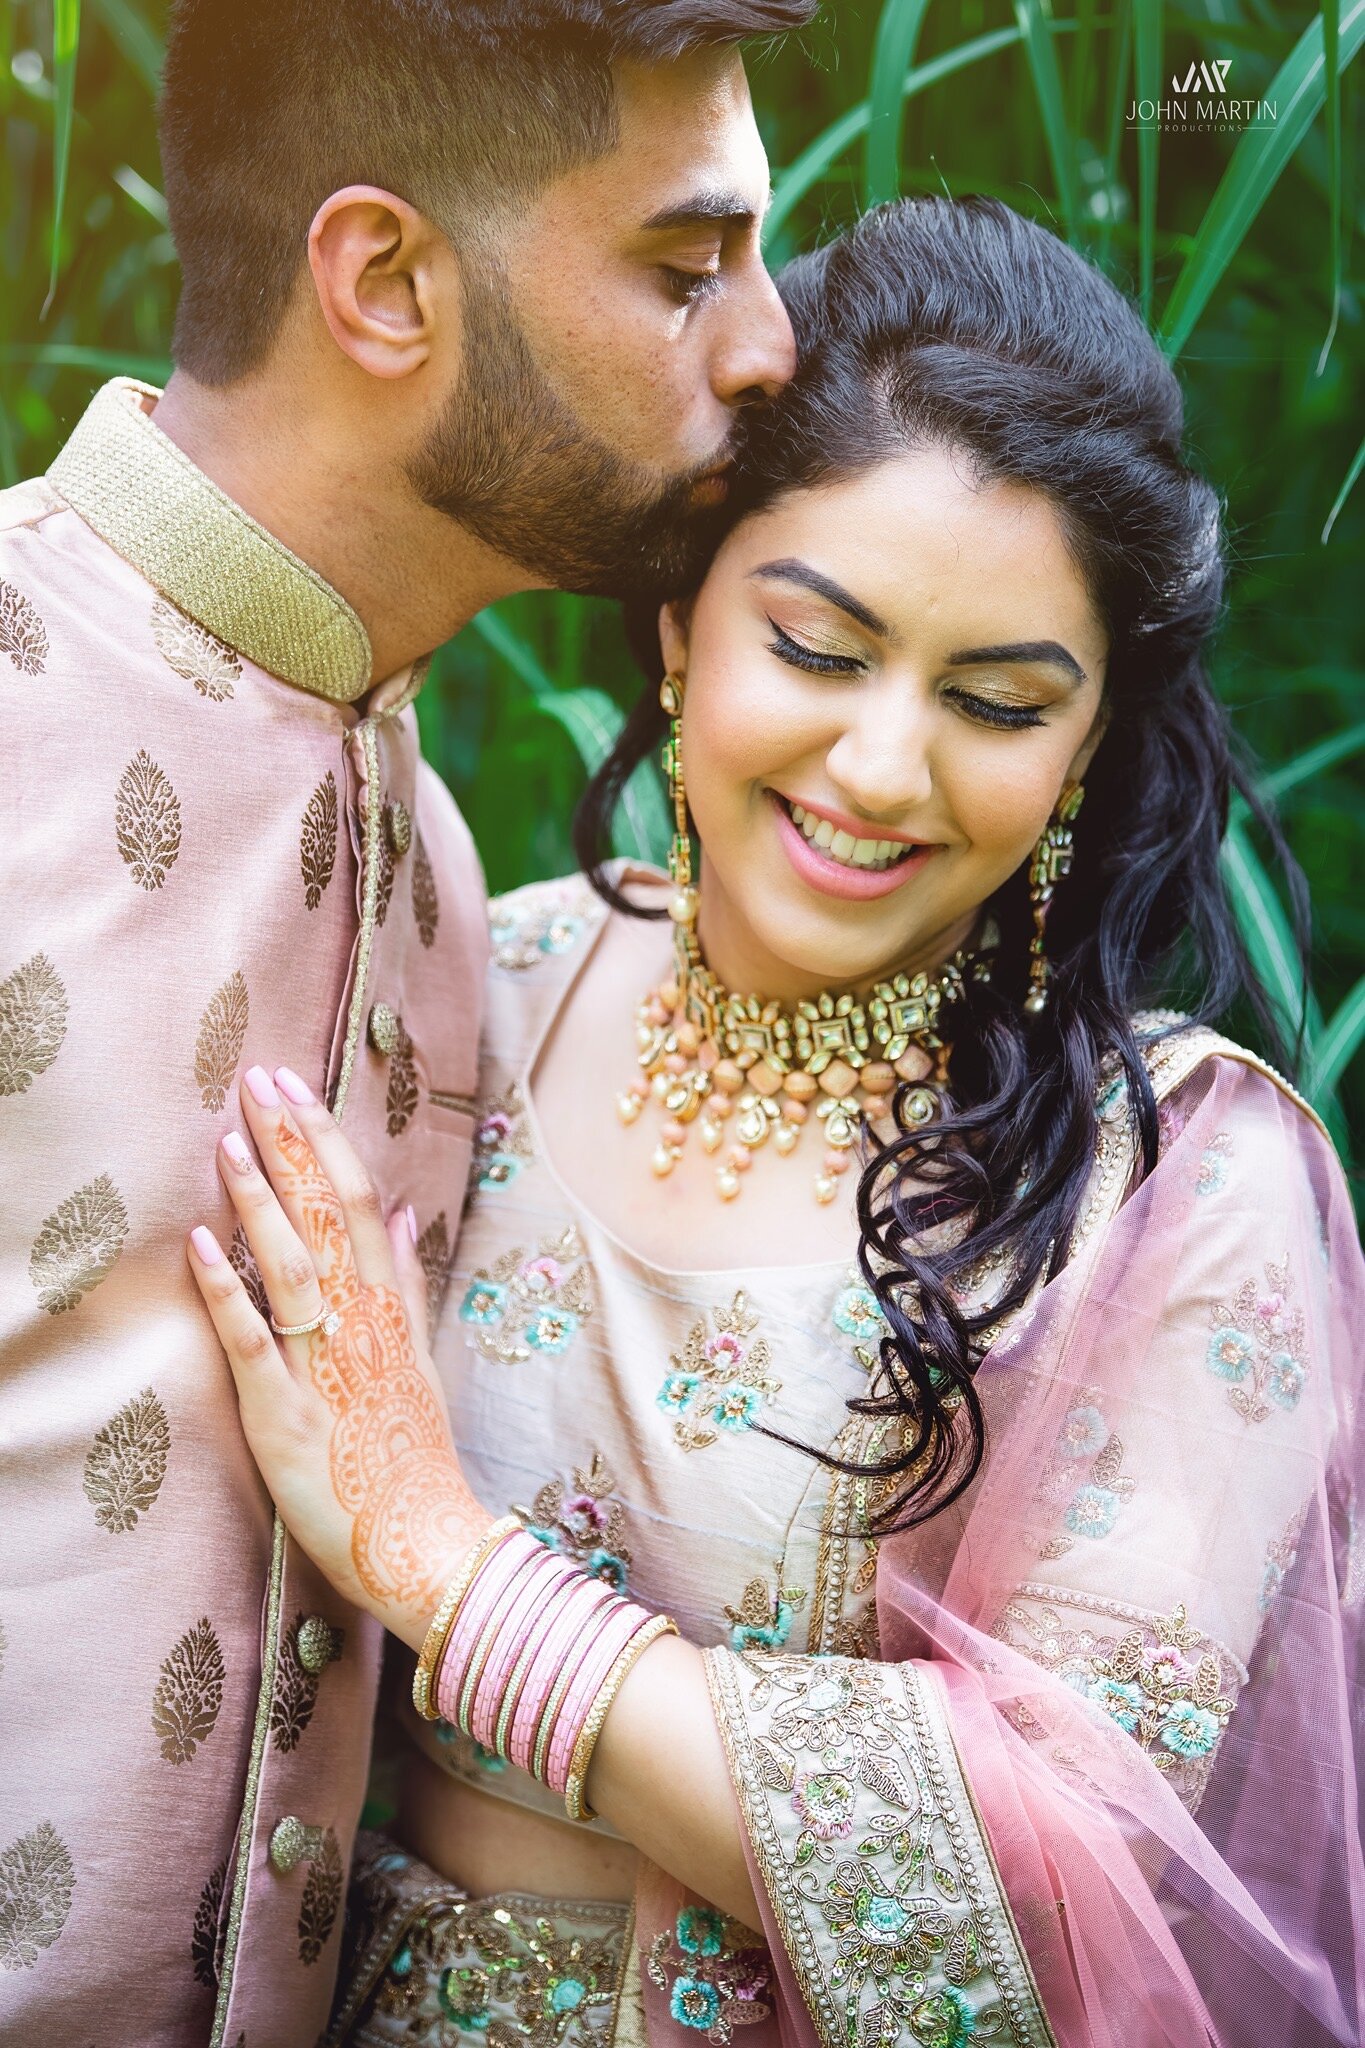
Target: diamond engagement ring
pixel 326 1320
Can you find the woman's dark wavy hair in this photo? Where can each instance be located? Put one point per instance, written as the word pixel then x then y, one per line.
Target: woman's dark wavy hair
pixel 958 323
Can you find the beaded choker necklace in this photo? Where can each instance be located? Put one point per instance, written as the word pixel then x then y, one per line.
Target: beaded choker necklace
pixel 752 1072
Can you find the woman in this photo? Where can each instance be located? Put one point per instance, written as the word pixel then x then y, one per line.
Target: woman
pixel 1006 1478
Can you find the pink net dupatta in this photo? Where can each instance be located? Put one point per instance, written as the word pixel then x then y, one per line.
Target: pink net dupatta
pixel 1103 1791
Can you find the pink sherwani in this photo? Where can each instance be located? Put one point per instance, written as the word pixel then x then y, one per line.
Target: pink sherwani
pixel 219 847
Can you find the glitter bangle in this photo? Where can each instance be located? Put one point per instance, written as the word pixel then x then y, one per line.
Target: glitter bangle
pixel 442 1622
pixel 575 1805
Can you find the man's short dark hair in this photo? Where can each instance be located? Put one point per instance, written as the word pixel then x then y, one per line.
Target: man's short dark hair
pixel 269 105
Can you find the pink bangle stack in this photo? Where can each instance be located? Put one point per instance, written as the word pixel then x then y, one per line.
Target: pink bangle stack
pixel 534 1646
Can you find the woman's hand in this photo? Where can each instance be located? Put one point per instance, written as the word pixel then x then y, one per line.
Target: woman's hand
pixel 347 1423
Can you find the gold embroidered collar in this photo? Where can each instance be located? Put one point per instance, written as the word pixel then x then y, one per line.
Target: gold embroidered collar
pixel 209 558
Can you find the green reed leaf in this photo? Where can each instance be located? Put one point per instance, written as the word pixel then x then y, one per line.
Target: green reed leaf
pixel 1313 761
pixel 1351 480
pixel 1122 45
pixel 1340 1040
pixel 807 169
pixel 1035 27
pixel 897 34
pixel 1331 62
pixel 66 36
pixel 1266 932
pixel 1148 50
pixel 1299 90
pixel 105 362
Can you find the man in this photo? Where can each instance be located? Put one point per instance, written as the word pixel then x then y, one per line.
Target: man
pixel 471 294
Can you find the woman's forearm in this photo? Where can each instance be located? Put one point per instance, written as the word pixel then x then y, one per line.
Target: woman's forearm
pixel 660 1776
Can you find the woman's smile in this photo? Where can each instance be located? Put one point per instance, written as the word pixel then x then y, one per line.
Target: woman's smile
pixel 825 853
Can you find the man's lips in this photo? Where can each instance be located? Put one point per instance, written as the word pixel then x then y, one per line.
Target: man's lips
pixel 832 877
pixel 712 487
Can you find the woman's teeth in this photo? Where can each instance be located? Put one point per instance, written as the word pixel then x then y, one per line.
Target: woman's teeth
pixel 843 847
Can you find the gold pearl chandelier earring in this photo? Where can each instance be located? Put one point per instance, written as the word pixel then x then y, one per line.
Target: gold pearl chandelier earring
pixel 1051 863
pixel 748 1070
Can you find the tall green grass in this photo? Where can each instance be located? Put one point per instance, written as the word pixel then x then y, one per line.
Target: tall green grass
pixel 1242 247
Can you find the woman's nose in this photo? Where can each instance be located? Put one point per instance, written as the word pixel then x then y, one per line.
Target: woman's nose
pixel 882 765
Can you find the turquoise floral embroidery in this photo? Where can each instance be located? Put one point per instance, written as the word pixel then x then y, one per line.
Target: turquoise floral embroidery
pixel 944 2020
pixel 1190 1730
pixel 1084 1432
pixel 502 1144
pixel 856 1314
pixel 1258 1346
pixel 1212 1176
pixel 1093 1511
pixel 580 1521
pixel 1171 1703
pixel 538 923
pixel 523 1305
pixel 713 1983
pixel 1090 1500
pixel 721 1380
pixel 466 1754
pixel 763 1619
pixel 1230 1354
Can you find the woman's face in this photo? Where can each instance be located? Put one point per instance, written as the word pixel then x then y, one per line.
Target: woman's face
pixel 888 683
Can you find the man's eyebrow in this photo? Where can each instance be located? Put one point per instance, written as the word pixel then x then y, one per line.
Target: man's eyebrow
pixel 1051 651
pixel 790 570
pixel 705 209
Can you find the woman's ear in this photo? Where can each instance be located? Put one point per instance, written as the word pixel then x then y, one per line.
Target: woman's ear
pixel 674 622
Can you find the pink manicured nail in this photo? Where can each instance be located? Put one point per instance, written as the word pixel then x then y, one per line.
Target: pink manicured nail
pixel 205 1246
pixel 237 1152
pixel 262 1087
pixel 412 1223
pixel 291 1087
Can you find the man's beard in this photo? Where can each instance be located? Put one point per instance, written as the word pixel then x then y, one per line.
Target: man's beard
pixel 513 464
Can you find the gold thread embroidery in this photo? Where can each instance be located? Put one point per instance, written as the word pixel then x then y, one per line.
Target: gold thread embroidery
pixel 147 822
pixel 720 1380
pixel 247 1816
pixel 189 1693
pixel 896 1893
pixel 318 841
pixel 33 1014
pixel 37 1879
pixel 369 898
pixel 222 1034
pixel 78 1245
pixel 194 653
pixel 402 1098
pixel 321 1899
pixel 426 904
pixel 126 1463
pixel 206 1938
pixel 23 636
pixel 433 1251
pixel 579 1520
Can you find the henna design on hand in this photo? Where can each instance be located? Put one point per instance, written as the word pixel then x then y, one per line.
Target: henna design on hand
pixel 393 1467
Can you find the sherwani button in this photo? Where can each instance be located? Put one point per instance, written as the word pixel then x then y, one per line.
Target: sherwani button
pixel 316 1644
pixel 292 1843
pixel 385 1029
pixel 398 827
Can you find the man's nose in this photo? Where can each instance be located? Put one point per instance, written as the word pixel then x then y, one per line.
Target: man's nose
pixel 759 352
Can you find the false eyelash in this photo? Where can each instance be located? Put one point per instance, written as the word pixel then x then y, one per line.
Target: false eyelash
pixel 1004 717
pixel 815 664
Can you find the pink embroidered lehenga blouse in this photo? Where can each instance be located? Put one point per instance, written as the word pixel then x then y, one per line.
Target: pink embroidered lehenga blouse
pixel 1073 1764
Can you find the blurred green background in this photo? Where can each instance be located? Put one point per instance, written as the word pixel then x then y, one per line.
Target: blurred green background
pixel 1243 246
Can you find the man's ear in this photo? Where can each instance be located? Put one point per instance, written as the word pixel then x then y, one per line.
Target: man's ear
pixel 675 619
pixel 384 277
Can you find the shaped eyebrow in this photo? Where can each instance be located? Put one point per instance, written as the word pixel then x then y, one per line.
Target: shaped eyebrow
pixel 1051 651
pixel 789 570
